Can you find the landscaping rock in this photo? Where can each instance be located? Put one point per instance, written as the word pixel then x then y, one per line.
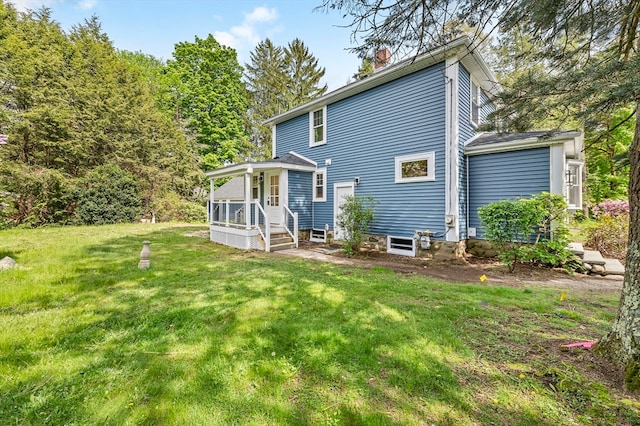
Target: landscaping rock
pixel 597 269
pixel 593 257
pixel 577 249
pixel 7 263
pixel 613 267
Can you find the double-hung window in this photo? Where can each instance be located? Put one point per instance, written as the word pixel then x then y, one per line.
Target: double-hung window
pixel 320 185
pixel 318 127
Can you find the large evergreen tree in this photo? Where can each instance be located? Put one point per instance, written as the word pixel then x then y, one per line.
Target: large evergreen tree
pixel 304 74
pixel 70 104
pixel 592 50
pixel 279 79
pixel 266 83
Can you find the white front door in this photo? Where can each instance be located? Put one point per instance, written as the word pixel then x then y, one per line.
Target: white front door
pixel 340 190
pixel 273 198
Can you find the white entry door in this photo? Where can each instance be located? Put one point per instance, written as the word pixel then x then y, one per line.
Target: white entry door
pixel 340 190
pixel 272 191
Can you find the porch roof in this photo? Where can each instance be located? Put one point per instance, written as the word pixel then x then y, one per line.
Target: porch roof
pixel 486 143
pixel 289 161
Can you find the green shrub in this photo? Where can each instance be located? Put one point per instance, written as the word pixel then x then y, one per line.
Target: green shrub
pixel 609 235
pixel 34 196
pixel 354 219
pixel 172 207
pixel 108 194
pixel 512 225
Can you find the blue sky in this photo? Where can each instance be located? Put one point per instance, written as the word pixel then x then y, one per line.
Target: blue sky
pixel 154 26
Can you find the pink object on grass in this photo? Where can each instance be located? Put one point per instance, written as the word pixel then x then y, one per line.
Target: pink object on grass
pixel 586 345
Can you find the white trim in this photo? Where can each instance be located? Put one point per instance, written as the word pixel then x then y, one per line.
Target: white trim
pixel 461 47
pixel 557 169
pixel 401 252
pixel 284 189
pixel 472 82
pixel 237 169
pixel 452 139
pixel 580 165
pixel 431 167
pixel 273 141
pixel 312 141
pixel 324 185
pixel 519 144
pixel 335 202
pixel 302 157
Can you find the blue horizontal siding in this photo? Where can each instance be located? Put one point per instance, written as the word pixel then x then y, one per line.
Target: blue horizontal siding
pixel 300 191
pixel 506 175
pixel 364 135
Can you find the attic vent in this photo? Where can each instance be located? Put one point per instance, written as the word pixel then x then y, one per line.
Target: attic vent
pixel 382 58
pixel 401 245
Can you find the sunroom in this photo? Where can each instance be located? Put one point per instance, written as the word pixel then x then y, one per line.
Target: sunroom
pixel 261 218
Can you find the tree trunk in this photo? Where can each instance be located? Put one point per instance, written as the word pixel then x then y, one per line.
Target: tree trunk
pixel 622 343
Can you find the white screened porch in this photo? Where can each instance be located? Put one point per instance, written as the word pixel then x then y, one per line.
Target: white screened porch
pixel 256 215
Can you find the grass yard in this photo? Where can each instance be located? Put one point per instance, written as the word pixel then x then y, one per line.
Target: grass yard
pixel 211 335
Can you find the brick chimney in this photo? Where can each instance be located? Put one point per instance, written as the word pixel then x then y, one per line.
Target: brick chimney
pixel 382 58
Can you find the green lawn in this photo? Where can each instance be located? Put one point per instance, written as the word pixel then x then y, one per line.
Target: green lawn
pixel 211 335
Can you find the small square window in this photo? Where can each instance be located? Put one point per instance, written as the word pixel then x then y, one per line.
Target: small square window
pixel 320 185
pixel 318 127
pixel 415 168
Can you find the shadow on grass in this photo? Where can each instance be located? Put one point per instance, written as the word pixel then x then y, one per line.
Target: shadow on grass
pixel 210 335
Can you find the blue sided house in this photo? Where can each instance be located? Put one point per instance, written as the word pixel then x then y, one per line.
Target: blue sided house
pixel 405 135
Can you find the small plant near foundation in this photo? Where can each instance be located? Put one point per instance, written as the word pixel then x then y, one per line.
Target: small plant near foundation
pixel 356 215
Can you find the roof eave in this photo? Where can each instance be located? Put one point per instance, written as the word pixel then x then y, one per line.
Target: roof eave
pixel 520 144
pixel 238 169
pixel 392 73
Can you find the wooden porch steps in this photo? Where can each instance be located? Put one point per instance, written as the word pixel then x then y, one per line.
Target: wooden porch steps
pixel 281 241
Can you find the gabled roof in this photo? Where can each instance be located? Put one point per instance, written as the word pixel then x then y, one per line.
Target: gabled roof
pixel 486 143
pixel 232 190
pixel 289 161
pixel 462 48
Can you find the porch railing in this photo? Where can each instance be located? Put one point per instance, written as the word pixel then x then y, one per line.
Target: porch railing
pixel 263 219
pixel 227 213
pixel 289 216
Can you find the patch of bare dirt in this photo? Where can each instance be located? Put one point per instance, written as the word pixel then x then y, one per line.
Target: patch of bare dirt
pixel 471 269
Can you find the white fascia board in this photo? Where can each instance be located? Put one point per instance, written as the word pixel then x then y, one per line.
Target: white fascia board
pixel 519 144
pixel 303 158
pixel 393 72
pixel 238 169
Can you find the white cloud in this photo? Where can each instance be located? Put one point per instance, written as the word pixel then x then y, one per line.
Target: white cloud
pixel 261 14
pixel 23 5
pixel 87 4
pixel 246 35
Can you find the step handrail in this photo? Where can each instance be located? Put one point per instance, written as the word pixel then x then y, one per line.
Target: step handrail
pixel 293 234
pixel 266 235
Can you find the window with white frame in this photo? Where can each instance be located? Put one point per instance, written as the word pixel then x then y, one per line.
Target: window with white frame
pixel 573 184
pixel 476 101
pixel 416 167
pixel 318 127
pixel 255 188
pixel 320 185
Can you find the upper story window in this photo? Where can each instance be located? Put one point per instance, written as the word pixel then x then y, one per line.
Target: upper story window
pixel 318 127
pixel 320 185
pixel 476 102
pixel 416 167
